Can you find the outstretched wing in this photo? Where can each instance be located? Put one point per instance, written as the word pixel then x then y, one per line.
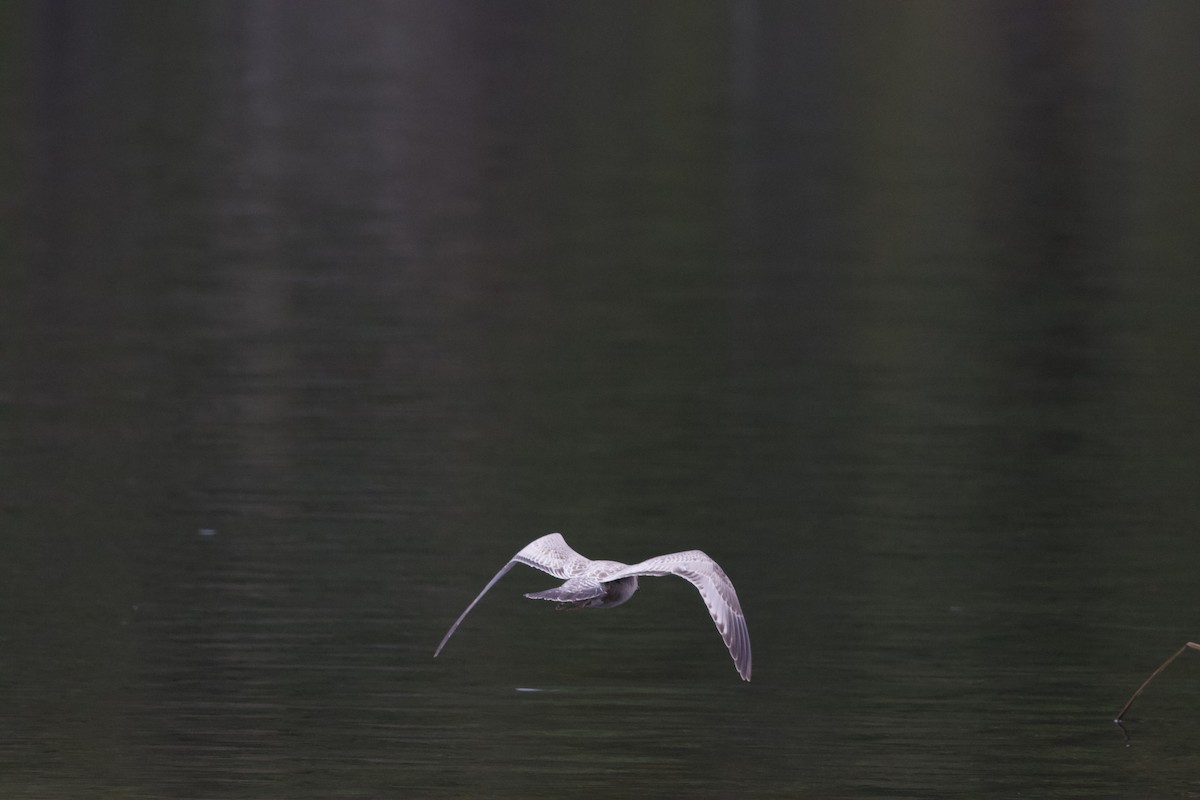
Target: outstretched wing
pixel 550 554
pixel 715 588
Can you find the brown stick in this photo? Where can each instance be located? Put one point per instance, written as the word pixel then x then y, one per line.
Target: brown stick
pixel 1164 665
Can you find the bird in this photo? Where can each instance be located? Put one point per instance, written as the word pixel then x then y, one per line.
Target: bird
pixel 607 584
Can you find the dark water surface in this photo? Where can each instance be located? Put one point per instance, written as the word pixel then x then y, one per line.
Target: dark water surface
pixel 311 315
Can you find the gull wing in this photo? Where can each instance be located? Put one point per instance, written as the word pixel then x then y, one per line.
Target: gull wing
pixel 550 554
pixel 715 588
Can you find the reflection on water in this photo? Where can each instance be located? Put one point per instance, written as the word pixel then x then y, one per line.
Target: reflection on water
pixel 312 315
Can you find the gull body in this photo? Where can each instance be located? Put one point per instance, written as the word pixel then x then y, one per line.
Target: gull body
pixel 606 584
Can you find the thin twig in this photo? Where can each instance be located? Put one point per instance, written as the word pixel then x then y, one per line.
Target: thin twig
pixel 1164 665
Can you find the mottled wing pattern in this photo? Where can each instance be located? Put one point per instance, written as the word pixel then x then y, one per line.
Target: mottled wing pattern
pixel 715 588
pixel 550 554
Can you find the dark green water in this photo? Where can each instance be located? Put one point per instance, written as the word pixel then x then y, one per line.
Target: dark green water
pixel 312 315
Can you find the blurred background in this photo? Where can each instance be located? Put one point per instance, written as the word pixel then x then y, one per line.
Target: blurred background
pixel 312 314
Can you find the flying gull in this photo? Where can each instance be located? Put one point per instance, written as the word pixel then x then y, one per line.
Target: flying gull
pixel 605 584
